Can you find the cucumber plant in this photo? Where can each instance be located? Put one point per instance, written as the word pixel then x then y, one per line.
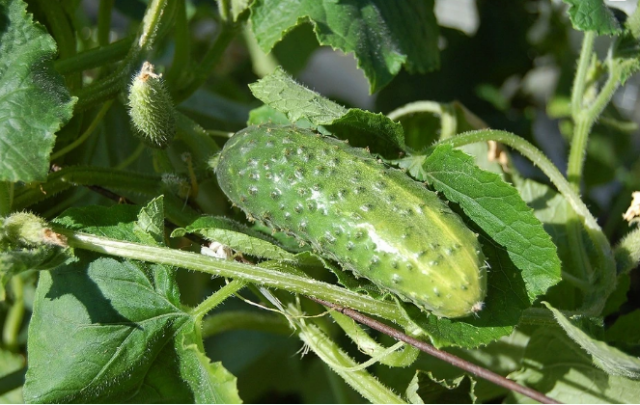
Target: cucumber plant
pixel 159 158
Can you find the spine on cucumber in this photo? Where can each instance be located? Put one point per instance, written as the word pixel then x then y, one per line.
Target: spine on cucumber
pixel 372 219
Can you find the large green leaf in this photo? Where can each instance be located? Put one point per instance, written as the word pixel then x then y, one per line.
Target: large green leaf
pixel 558 367
pixel 498 209
pixel 105 330
pixel 384 35
pixel 608 358
pixel 592 15
pixel 34 103
pixel 553 210
pixel 361 128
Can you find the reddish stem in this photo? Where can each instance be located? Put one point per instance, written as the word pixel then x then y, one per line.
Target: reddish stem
pixel 442 355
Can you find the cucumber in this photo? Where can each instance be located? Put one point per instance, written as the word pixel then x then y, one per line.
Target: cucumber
pixel 151 108
pixel 372 219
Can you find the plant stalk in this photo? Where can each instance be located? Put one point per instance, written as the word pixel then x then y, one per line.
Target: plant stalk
pixel 216 299
pixel 247 273
pixel 442 355
pixel 580 79
pixel 104 21
pixel 360 380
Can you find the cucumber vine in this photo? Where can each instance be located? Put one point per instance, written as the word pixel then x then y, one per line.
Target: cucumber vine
pixel 135 135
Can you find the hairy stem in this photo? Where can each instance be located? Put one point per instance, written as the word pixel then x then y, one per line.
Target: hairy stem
pixel 627 252
pixel 216 299
pixel 234 270
pixel 580 80
pixel 360 380
pixel 366 344
pixel 446 112
pixel 585 116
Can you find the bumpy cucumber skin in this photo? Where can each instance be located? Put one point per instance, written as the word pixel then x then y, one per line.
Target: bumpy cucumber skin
pixel 372 219
pixel 151 108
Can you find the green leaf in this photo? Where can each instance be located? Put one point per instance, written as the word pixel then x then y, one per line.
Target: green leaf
pixel 421 129
pixel 137 326
pixel 117 221
pixel 282 92
pixel 150 225
pixel 35 103
pixel 414 165
pixel 361 128
pixel 558 367
pixel 269 115
pixel 368 130
pixel 592 15
pixel 498 209
pixel 424 388
pixel 608 358
pixel 105 330
pixel 553 210
pixel 236 236
pixel 384 35
pixel 210 382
